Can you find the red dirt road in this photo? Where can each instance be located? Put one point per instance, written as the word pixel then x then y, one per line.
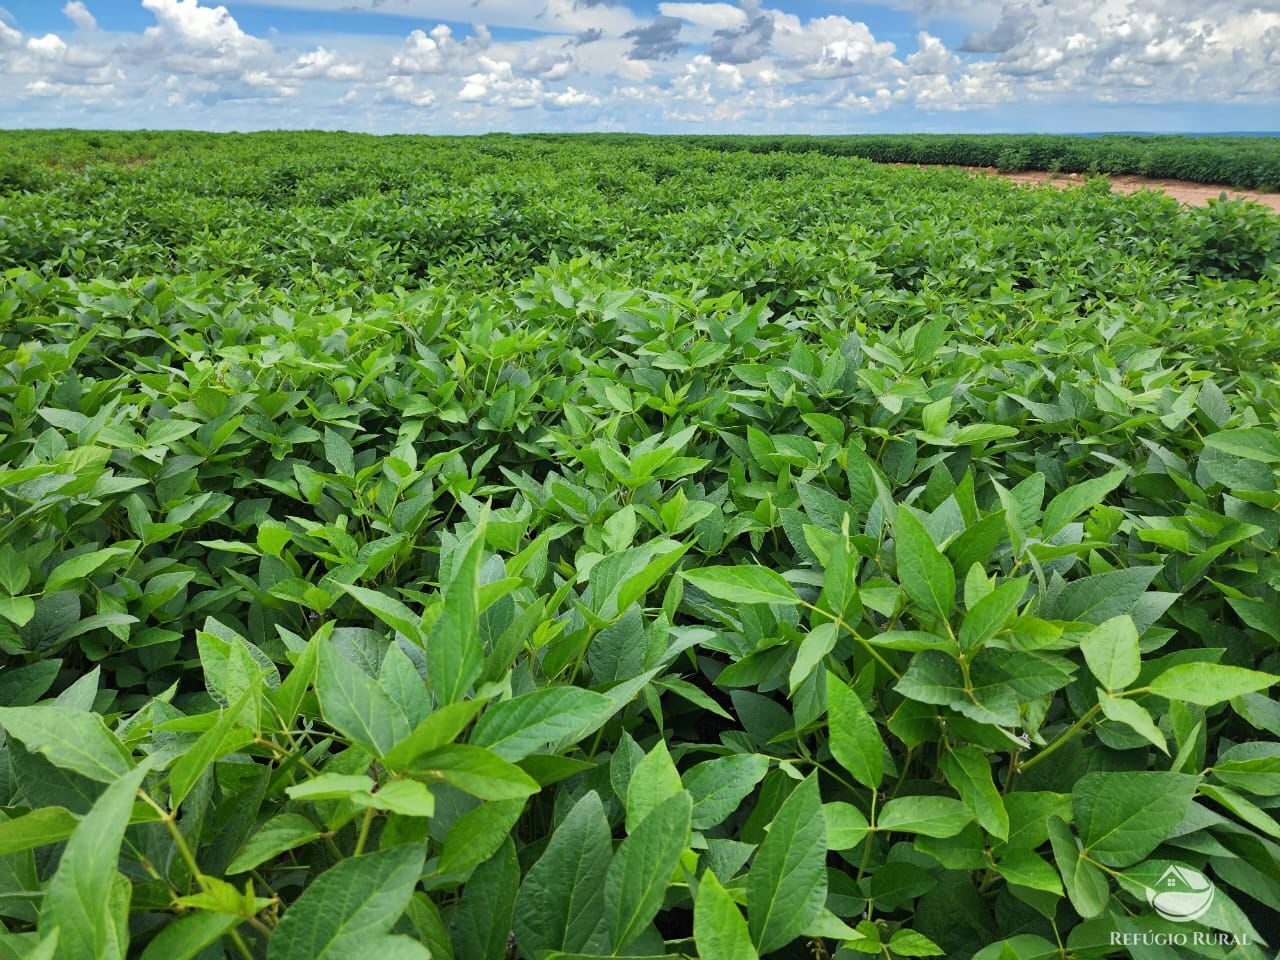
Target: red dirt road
pixel 1195 194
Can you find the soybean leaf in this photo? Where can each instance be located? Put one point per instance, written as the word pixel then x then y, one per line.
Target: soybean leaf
pixel 38 828
pixel 455 657
pixel 280 834
pixel 1208 683
pixel 653 781
pixel 745 583
pixel 356 705
pixel 515 728
pixel 73 739
pixel 561 901
pixel 475 770
pixel 188 936
pixel 925 574
pixel 968 771
pixel 940 817
pixel 642 867
pixel 1085 882
pixel 854 740
pixel 1133 716
pixel 389 610
pixel 357 899
pixel 718 928
pixel 719 786
pixel 222 738
pixel 1076 499
pixel 77 903
pixel 1121 817
pixel 435 731
pixel 482 922
pixel 1111 651
pixel 787 885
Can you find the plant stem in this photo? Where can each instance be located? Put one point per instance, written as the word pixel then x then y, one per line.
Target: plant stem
pixel 241 946
pixel 170 822
pixel 857 636
pixel 364 832
pixel 1063 738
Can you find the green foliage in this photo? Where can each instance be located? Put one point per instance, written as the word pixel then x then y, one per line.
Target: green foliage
pixel 511 548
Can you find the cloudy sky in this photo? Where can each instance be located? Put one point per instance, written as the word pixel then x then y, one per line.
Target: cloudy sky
pixel 463 66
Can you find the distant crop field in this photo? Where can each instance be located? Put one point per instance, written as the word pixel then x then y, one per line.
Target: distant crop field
pixel 1233 161
pixel 549 548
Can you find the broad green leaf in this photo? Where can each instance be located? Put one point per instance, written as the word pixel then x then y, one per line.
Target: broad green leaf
pixel 476 835
pixel 36 829
pixel 77 902
pixel 1133 716
pixel 515 728
pixel 931 816
pixel 854 740
pixel 636 586
pixel 719 786
pixel 72 739
pixel 280 834
pixel 745 583
pixel 1249 443
pixel 1023 946
pixel 969 773
pixel 287 698
pixel 846 825
pixel 991 613
pixel 1086 884
pixel 718 928
pixel 1026 869
pixel 409 798
pixel 1254 767
pixel 187 936
pixel 17 610
pixel 435 731
pixel 1076 499
pixel 222 738
pixel 1111 651
pixel 642 867
pixel 391 947
pixel 330 786
pixel 787 884
pixel 455 656
pixel 356 705
pixel 925 574
pixel 79 567
pixel 561 901
pixel 653 781
pixel 482 922
pixel 908 943
pixel 338 452
pixel 163 433
pixel 429 926
pixel 1203 683
pixel 389 610
pixel 1246 810
pixel 817 643
pixel 357 899
pixel 1101 597
pixel 1121 817
pixel 474 770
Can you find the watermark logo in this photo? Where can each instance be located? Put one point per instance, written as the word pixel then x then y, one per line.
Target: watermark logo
pixel 1181 894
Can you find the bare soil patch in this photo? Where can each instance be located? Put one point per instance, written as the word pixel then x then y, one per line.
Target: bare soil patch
pixel 1195 194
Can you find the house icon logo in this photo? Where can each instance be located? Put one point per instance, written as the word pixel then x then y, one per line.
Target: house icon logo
pixel 1181 894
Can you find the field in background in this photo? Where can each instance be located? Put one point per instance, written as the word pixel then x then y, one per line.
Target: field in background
pixel 1251 162
pixel 501 548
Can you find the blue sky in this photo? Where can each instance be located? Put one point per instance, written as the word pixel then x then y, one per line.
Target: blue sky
pixel 469 66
